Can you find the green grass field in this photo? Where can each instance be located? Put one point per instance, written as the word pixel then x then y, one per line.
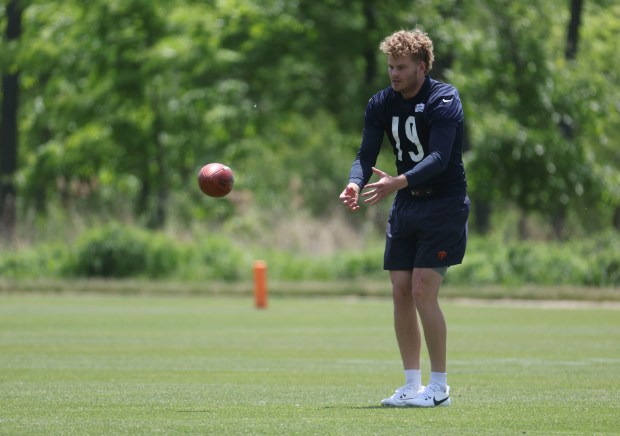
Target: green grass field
pixel 94 364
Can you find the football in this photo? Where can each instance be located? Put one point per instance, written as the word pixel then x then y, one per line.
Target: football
pixel 216 180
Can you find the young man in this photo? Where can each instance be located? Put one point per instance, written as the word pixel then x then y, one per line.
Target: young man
pixel 427 228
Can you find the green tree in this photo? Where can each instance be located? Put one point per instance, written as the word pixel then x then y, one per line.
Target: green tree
pixel 123 101
pixel 128 116
pixel 594 112
pixel 9 121
pixel 516 94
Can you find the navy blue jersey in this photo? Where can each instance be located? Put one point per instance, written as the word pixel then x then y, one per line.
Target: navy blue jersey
pixel 426 133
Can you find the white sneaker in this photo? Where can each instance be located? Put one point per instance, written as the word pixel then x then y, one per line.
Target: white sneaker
pixel 431 396
pixel 401 395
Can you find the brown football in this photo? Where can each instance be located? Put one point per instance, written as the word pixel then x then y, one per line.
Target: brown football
pixel 216 180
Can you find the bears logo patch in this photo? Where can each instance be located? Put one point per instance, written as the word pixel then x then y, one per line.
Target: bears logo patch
pixel 441 255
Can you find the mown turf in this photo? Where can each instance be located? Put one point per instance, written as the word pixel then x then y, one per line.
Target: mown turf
pixel 98 364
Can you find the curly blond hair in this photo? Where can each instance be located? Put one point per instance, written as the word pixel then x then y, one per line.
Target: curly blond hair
pixel 414 43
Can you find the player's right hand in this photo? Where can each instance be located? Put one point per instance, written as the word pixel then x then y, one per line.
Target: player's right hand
pixel 350 195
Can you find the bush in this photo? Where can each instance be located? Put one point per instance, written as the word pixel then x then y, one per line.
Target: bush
pixel 43 261
pixel 214 257
pixel 366 263
pixel 591 262
pixel 116 251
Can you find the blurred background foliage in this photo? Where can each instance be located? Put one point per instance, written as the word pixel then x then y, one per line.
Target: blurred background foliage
pixel 120 102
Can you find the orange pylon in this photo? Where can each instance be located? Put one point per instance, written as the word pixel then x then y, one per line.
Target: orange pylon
pixel 260 284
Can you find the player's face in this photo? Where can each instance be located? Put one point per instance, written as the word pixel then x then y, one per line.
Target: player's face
pixel 406 75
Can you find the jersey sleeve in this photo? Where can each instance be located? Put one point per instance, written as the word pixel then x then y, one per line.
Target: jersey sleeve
pixel 372 137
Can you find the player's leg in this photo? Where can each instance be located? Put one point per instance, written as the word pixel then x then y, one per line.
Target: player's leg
pixel 408 338
pixel 441 243
pixel 399 260
pixel 405 319
pixel 425 290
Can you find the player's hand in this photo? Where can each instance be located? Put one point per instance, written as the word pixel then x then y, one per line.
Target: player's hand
pixel 383 187
pixel 350 196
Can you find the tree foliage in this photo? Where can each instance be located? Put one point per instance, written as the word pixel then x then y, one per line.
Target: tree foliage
pixel 124 100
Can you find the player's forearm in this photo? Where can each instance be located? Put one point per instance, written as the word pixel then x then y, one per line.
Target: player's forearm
pixel 361 171
pixel 430 166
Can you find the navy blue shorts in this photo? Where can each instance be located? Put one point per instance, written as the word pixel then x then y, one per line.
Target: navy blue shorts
pixel 429 232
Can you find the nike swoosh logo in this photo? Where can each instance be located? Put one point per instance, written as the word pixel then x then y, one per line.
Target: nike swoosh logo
pixel 446 101
pixel 437 403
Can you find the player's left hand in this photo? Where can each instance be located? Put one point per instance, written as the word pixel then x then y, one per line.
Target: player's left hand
pixel 375 192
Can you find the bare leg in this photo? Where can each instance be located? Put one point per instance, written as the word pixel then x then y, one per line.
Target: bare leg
pixel 425 287
pixel 405 319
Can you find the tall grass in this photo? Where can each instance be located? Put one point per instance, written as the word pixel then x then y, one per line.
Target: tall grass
pixel 296 246
pixel 118 251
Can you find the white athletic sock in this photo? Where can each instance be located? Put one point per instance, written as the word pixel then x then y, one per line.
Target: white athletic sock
pixel 413 377
pixel 440 378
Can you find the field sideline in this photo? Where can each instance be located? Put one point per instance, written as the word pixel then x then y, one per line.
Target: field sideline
pixel 130 364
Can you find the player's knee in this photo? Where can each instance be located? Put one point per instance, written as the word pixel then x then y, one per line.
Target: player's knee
pixel 401 295
pixel 425 287
pixel 419 292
